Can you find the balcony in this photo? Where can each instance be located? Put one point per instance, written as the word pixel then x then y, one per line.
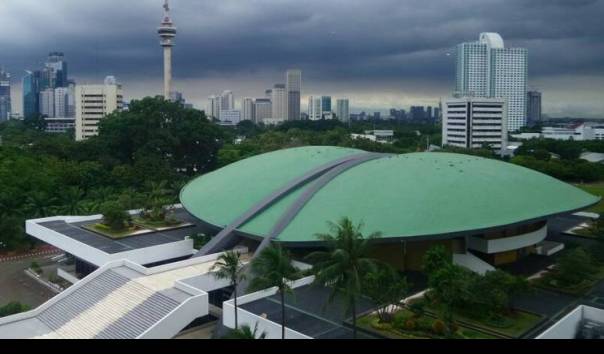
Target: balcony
pixel 510 243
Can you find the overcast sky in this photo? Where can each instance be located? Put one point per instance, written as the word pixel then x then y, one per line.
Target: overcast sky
pixel 379 53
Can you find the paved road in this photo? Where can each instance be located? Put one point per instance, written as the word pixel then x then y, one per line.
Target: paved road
pixel 16 286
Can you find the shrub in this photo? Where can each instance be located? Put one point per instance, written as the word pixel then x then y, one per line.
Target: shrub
pixel 399 322
pixel 115 217
pixel 410 325
pixel 417 308
pixel 13 308
pixel 439 327
pixel 36 268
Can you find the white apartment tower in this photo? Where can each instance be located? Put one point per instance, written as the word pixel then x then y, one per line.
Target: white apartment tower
pixel 263 109
pixel 213 109
pixel 294 89
pixel 487 69
pixel 343 109
pixel 315 111
pixel 279 100
pixel 93 103
pixel 248 109
pixel 47 102
pixel 61 100
pixel 470 122
pixel 227 101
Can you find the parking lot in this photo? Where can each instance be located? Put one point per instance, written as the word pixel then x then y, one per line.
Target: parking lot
pixel 16 286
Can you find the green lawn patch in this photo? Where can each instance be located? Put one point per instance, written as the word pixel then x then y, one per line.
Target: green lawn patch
pixel 159 225
pixel 421 328
pixel 116 235
pixel 595 189
pixel 511 325
pixel 548 282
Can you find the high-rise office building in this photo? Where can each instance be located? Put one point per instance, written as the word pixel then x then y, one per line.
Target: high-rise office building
pixel 95 102
pixel 31 93
pixel 5 100
pixel 268 94
pixel 54 73
pixel 61 98
pixel 471 122
pixel 227 101
pixel 47 102
pixel 326 104
pixel 343 109
pixel 279 101
pixel 533 114
pixel 263 110
pixel 487 69
pixel 248 109
pixel 213 108
pixel 315 111
pixel 294 89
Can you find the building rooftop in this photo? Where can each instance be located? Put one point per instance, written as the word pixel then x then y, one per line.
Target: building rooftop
pixel 111 246
pixel 411 195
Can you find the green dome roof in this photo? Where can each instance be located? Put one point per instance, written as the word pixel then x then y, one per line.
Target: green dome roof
pixel 403 196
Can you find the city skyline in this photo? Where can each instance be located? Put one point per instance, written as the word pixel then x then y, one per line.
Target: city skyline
pixel 412 64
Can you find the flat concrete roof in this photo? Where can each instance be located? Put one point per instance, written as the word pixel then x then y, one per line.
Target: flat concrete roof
pixel 110 246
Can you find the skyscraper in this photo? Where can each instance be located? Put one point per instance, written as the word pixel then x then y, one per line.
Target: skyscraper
pixel 487 69
pixel 533 108
pixel 279 101
pixel 47 102
pixel 326 104
pixel 5 102
pixel 227 101
pixel 213 109
pixel 31 94
pixel 54 73
pixel 61 97
pixel 343 109
pixel 263 109
pixel 93 103
pixel 248 109
pixel 167 33
pixel 294 88
pixel 314 108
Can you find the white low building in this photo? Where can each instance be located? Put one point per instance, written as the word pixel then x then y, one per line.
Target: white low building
pixel 470 123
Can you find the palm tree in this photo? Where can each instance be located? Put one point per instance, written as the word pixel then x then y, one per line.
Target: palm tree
pixel 72 201
pixel 245 332
pixel 273 268
pixel 344 264
pixel 229 267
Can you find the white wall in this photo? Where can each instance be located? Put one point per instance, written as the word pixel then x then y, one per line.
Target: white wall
pixel 508 243
pixel 97 257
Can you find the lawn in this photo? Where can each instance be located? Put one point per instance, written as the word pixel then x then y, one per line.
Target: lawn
pixel 423 328
pixel 547 282
pixel 116 235
pixel 512 325
pixel 159 225
pixel 595 189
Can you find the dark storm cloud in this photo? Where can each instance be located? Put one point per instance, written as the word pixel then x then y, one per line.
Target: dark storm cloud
pixel 360 41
